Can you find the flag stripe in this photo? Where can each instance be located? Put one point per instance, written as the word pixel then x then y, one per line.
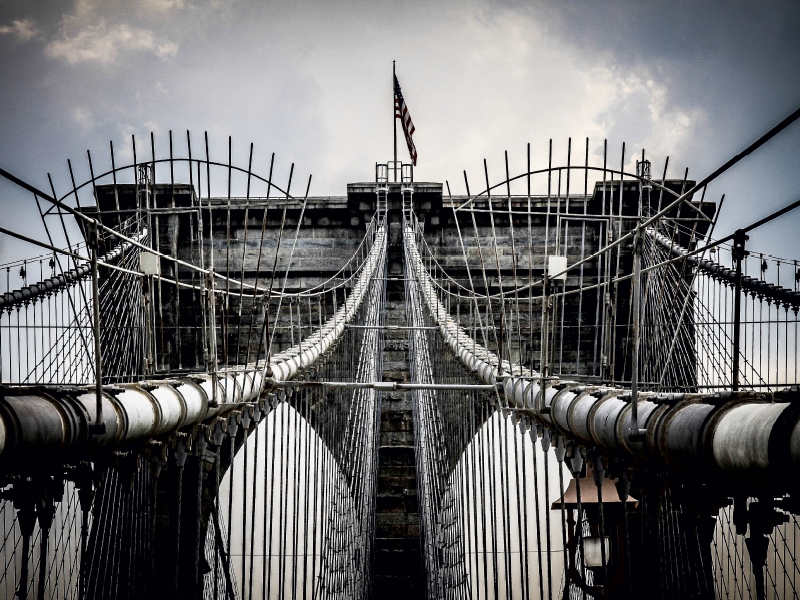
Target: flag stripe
pixel 401 112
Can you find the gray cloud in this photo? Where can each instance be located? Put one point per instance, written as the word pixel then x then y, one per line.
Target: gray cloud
pixel 101 43
pixel 22 29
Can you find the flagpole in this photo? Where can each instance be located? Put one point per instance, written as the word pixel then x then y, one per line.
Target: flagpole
pixel 394 121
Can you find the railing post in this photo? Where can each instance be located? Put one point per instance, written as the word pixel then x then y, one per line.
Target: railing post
pixel 638 243
pixel 738 254
pixel 543 362
pixel 211 298
pixel 93 241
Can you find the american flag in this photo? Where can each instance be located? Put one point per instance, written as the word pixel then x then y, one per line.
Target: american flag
pixel 401 112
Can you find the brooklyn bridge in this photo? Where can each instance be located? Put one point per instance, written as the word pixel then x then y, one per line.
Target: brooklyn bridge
pixel 563 384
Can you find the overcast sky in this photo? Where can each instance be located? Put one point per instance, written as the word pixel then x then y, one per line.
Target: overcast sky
pixel 311 81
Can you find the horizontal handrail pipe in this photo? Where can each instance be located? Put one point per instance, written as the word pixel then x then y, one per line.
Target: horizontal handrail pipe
pixel 391 386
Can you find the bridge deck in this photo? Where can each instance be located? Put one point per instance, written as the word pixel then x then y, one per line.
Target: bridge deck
pixel 398 570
